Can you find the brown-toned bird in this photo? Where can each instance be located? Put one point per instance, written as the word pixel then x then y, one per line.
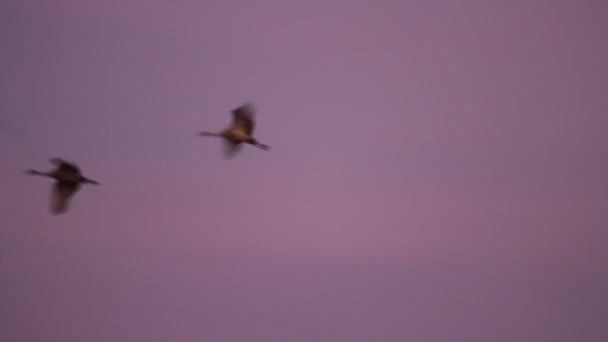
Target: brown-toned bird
pixel 240 131
pixel 68 179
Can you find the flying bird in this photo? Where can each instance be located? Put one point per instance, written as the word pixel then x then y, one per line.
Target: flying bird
pixel 240 131
pixel 68 179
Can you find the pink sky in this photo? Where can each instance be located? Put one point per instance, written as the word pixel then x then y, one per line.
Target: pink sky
pixel 438 171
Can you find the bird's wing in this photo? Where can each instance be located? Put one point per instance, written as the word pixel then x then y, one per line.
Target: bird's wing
pixel 65 166
pixel 61 196
pixel 243 118
pixel 231 148
pixel 57 161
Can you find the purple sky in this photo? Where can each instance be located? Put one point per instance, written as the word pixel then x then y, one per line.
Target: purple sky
pixel 438 171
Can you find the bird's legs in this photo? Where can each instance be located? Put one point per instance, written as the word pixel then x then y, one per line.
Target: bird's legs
pixel 90 181
pixel 262 146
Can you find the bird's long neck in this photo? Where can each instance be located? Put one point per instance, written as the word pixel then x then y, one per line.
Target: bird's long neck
pixel 210 134
pixel 38 173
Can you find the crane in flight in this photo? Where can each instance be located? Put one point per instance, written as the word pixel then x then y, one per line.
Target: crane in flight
pixel 240 131
pixel 68 179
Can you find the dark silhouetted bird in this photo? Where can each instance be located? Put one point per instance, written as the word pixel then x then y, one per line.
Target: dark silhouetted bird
pixel 240 131
pixel 68 180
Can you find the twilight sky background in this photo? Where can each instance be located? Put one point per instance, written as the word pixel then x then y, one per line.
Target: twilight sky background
pixel 438 172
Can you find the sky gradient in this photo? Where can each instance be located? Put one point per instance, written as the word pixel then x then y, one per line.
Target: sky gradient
pixel 437 173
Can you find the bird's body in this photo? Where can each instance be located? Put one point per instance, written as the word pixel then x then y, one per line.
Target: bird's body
pixel 68 179
pixel 240 131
